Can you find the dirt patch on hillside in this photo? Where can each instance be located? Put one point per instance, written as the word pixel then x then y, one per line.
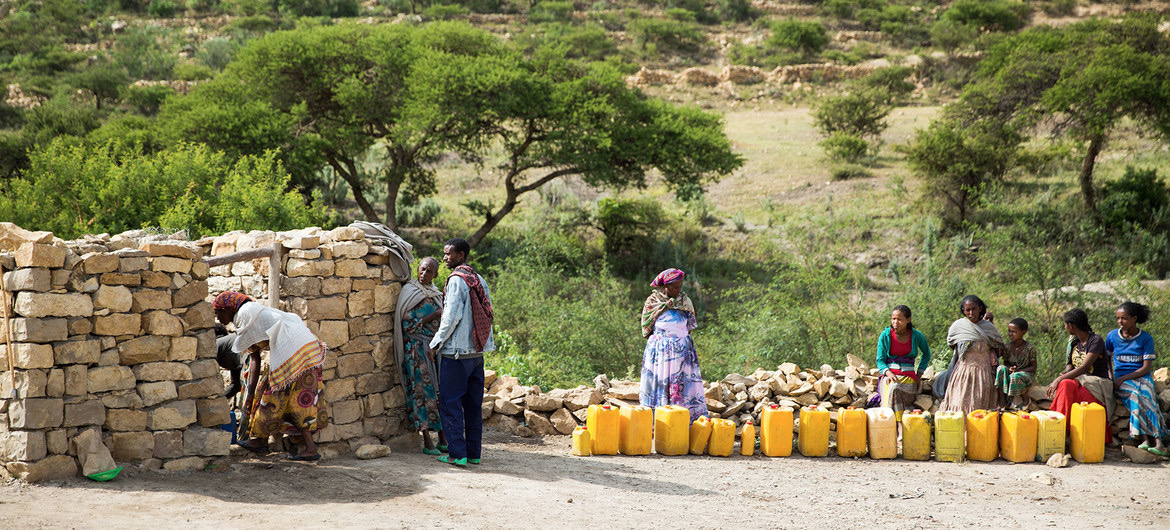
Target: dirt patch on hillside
pixel 535 483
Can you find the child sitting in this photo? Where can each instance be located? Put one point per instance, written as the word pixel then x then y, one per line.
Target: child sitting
pixel 1018 370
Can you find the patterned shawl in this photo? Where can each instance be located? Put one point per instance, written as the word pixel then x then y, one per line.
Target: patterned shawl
pixel 481 306
pixel 412 294
pixel 229 300
pixel 292 348
pixel 657 303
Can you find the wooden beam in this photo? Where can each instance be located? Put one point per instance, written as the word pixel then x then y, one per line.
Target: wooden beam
pixel 243 255
pixel 277 251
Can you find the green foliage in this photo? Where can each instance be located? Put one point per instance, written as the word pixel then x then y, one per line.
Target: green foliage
pixel 445 11
pixel 103 81
pixel 1137 198
pixel 192 72
pixel 588 41
pixel 319 8
pixel 889 84
pixel 808 38
pixel 630 227
pixel 72 190
pixel 550 11
pixel 147 99
pixel 162 8
pixel 957 161
pixel 901 22
pixel 765 58
pixel 217 52
pixel 680 14
pixel 850 171
pixel 845 147
pixel 145 53
pixel 662 36
pixel 413 211
pixel 736 10
pixel 988 15
pixel 951 35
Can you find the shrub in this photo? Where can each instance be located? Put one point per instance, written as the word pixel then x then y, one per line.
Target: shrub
pixel 957 160
pixel 147 99
pixel 666 35
pixel 736 10
pixel 889 84
pixel 850 171
pixel 445 11
pixel 550 11
pixel 162 8
pixel 589 41
pixel 1135 198
pixel 145 53
pixel 192 72
pixel 860 113
pixel 680 14
pixel 796 35
pixel 845 147
pixel 217 52
pixel 319 8
pixel 989 15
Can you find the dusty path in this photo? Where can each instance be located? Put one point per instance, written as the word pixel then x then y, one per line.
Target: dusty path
pixel 536 484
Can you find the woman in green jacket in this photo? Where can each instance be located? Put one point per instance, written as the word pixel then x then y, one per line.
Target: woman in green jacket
pixel 899 346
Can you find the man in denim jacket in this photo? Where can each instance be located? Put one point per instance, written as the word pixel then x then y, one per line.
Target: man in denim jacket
pixel 465 333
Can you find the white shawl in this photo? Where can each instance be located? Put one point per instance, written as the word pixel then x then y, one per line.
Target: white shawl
pixel 285 332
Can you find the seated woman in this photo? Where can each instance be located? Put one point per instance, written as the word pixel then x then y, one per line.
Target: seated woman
pixel 976 343
pixel 670 365
pixel 898 348
pixel 1133 357
pixel 286 398
pixel 1086 376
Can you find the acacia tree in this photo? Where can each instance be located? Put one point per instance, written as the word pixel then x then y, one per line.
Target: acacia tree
pixel 567 118
pixel 333 94
pixel 1080 80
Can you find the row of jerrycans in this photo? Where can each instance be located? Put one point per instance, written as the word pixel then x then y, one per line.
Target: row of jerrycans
pixel 980 435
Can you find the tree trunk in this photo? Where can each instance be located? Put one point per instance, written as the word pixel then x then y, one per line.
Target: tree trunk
pixel 495 218
pixel 1086 176
pixel 393 184
pixel 355 185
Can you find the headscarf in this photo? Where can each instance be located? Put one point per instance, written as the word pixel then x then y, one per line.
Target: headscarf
pixel 961 334
pixel 230 301
pixel 667 276
pixel 657 303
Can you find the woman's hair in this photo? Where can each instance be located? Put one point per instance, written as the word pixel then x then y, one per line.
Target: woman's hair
pixel 977 301
pixel 1077 318
pixel 905 310
pixel 1139 312
pixel 1019 323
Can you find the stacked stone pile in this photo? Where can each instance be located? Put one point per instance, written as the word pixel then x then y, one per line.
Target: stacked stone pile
pixel 747 75
pixel 112 336
pixel 338 283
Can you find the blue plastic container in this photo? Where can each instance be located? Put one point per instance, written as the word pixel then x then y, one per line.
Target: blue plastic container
pixel 231 426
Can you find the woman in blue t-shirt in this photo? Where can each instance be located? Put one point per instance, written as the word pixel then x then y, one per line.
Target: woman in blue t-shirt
pixel 1133 357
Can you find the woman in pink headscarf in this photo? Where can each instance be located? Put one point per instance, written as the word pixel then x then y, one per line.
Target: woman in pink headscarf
pixel 670 366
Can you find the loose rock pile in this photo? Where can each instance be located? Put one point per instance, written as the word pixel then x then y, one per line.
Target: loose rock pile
pixel 747 75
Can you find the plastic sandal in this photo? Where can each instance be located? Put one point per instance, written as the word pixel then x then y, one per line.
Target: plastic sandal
pixel 432 452
pixel 446 459
pixel 1144 446
pixel 473 461
pixel 1160 452
pixel 441 447
pixel 306 458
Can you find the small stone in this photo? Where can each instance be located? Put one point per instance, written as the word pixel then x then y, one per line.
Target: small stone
pixel 368 452
pixel 38 255
pixel 542 402
pixel 504 406
pixel 563 421
pixel 1044 478
pixel 51 468
pixel 539 423
pixel 1139 456
pixel 191 463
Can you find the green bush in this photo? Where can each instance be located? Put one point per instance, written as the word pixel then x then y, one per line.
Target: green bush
pixel 680 14
pixel 748 55
pixel 192 72
pixel 845 147
pixel 71 189
pixel 147 100
pixel 162 8
pixel 957 161
pixel 550 11
pixel 736 10
pixel 217 52
pixel 890 84
pixel 799 36
pixel 850 171
pixel 666 35
pixel 319 8
pixel 445 11
pixel 989 15
pixel 860 113
pixel 1134 199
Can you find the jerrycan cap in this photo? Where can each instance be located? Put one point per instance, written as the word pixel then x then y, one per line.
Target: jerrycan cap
pixel 848 408
pixel 774 406
pixel 1025 415
pixel 749 422
pixel 606 407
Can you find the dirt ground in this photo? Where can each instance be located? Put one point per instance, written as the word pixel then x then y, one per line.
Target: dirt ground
pixel 535 483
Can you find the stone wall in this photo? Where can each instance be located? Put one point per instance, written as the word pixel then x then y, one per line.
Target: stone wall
pixel 115 334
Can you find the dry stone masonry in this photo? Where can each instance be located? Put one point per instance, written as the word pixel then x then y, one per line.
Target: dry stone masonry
pixel 115 334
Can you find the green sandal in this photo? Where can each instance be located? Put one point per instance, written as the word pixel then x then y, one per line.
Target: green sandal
pixel 1160 452
pixel 473 461
pixel 446 459
pixel 432 452
pixel 441 447
pixel 1144 446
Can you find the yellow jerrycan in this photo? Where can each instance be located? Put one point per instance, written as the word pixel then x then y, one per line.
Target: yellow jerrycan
pixel 636 430
pixel 1087 432
pixel 1017 436
pixel 604 423
pixel 776 431
pixel 882 432
pixel 672 430
pixel 1050 434
pixel 581 441
pixel 722 438
pixel 813 439
pixel 949 436
pixel 851 432
pixel 747 439
pixel 700 435
pixel 983 435
pixel 916 435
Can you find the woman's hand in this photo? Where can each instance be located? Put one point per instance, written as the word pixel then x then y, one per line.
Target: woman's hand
pixel 1052 387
